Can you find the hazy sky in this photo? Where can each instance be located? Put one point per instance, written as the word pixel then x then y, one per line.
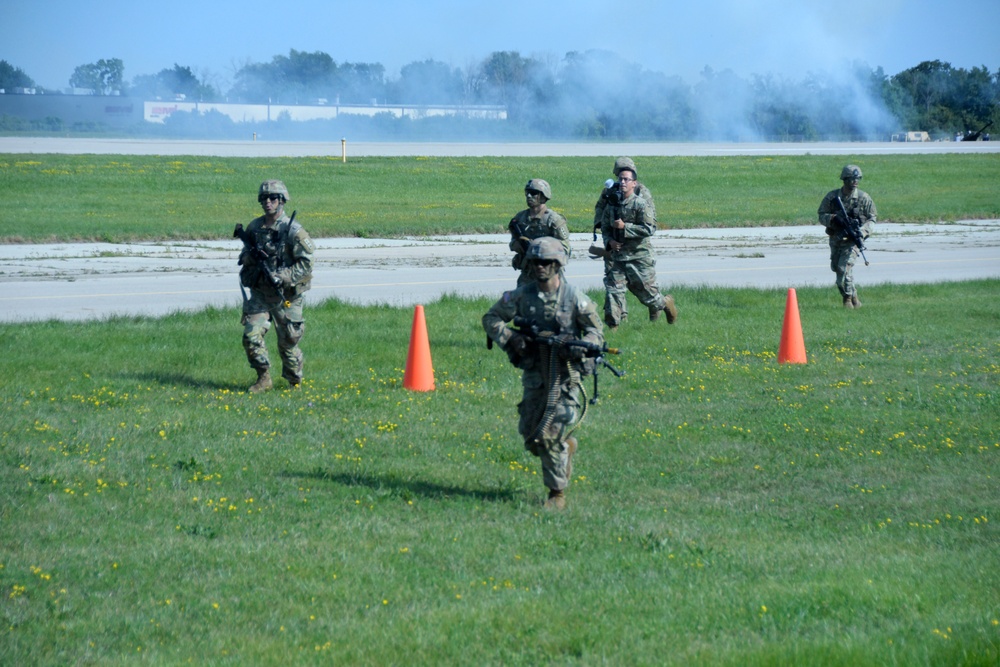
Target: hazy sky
pixel 49 38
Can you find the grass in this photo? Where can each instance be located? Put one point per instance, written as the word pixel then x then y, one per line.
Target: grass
pixel 64 198
pixel 725 510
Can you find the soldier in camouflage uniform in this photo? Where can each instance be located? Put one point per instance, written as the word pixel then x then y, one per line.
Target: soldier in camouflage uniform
pixel 552 402
pixel 629 264
pixel 278 300
pixel 843 253
pixel 608 195
pixel 536 221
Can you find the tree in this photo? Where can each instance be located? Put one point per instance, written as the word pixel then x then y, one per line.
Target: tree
pixel 428 82
pixel 13 77
pixel 103 77
pixel 361 83
pixel 170 83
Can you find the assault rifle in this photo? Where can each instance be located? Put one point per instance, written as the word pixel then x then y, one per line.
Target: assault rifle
pixel 531 331
pixel 265 261
pixel 612 196
pixel 852 228
pixel 517 232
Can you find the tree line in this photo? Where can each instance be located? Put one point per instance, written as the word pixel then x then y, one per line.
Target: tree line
pixel 594 94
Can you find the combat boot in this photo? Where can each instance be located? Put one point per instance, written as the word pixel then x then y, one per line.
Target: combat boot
pixel 263 382
pixel 570 451
pixel 855 301
pixel 848 303
pixel 556 500
pixel 670 308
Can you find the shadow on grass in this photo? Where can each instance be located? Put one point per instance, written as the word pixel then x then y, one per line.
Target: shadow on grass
pixel 180 379
pixel 391 486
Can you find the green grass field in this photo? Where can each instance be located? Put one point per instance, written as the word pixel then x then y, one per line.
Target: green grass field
pixel 129 198
pixel 725 509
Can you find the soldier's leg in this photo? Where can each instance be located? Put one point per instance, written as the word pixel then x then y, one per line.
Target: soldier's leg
pixel 255 325
pixel 623 302
pixel 290 327
pixel 531 409
pixel 842 263
pixel 851 256
pixel 557 449
pixel 615 291
pixel 641 276
pixel 836 268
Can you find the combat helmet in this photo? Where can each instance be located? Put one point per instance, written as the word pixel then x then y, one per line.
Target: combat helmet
pixel 850 171
pixel 547 248
pixel 623 163
pixel 272 187
pixel 541 186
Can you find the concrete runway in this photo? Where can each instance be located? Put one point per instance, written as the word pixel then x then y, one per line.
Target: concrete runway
pixel 261 148
pixel 86 281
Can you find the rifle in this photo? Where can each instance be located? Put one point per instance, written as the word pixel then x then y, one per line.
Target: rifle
pixel 851 227
pixel 530 330
pixel 264 260
pixel 518 231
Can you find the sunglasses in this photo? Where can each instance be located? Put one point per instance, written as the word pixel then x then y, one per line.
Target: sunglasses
pixel 268 197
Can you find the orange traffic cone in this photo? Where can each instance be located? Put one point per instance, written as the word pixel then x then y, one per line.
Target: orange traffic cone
pixel 792 349
pixel 419 375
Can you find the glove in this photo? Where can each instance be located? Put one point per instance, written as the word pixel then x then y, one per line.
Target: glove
pixel 517 344
pixel 284 276
pixel 571 352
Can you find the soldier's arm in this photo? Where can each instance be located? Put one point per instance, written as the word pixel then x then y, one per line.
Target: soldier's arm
pixel 559 229
pixel 868 216
pixel 496 318
pixel 647 197
pixel 588 321
pixel 303 250
pixel 826 210
pixel 643 225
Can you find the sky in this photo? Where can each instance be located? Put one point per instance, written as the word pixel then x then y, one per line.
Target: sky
pixel 48 39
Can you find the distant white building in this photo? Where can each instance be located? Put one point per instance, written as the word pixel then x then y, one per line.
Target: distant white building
pixel 159 111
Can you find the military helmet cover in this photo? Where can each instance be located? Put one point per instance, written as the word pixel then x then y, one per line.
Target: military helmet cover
pixel 273 187
pixel 850 171
pixel 547 248
pixel 539 185
pixel 623 163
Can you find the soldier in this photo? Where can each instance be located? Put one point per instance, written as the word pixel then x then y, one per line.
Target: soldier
pixel 610 194
pixel 843 252
pixel 552 402
pixel 534 222
pixel 277 283
pixel 626 227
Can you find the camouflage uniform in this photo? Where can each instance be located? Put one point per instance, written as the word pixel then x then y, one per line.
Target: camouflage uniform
pixel 600 208
pixel 524 228
pixel 546 429
pixel 292 249
pixel 843 253
pixel 633 267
